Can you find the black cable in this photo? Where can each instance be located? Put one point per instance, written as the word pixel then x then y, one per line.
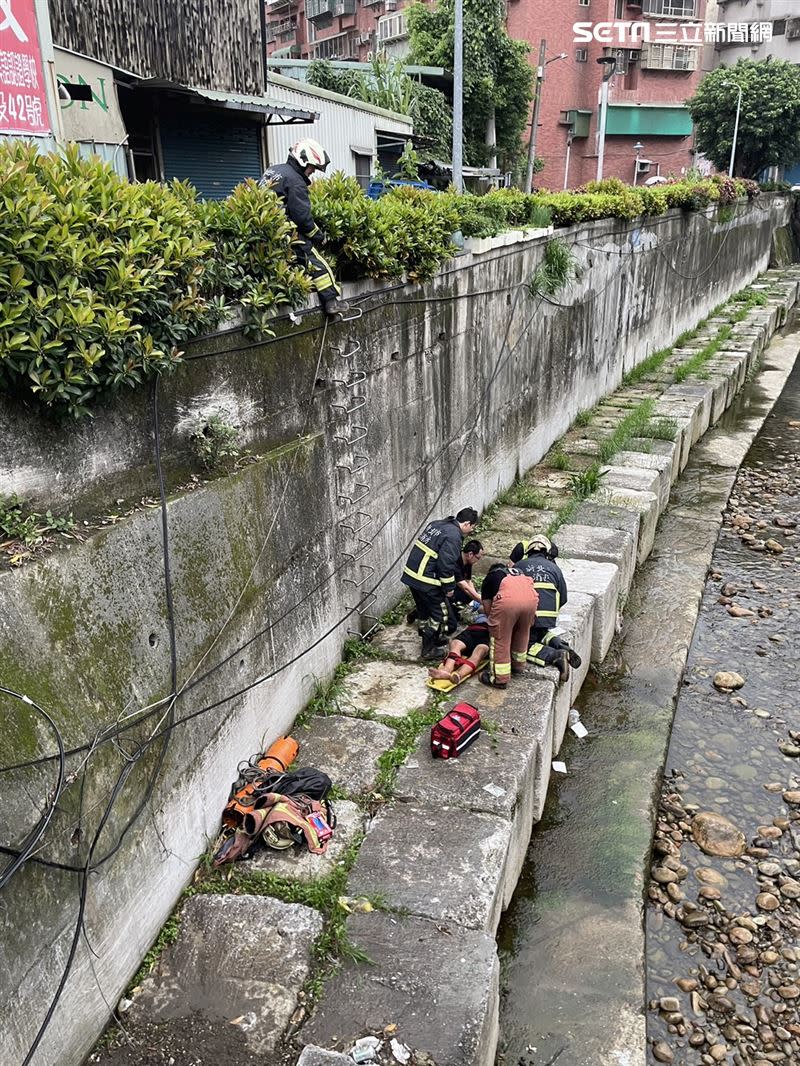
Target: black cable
pixel 115 731
pixel 26 848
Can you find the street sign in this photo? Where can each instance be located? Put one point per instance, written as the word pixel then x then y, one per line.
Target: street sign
pixel 23 101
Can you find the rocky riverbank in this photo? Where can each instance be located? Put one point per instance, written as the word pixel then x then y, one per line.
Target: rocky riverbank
pixel 723 923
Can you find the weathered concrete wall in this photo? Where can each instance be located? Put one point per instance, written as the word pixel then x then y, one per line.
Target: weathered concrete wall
pixel 85 633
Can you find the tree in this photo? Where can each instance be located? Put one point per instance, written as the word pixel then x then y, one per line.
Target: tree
pixel 388 85
pixel 769 125
pixel 498 79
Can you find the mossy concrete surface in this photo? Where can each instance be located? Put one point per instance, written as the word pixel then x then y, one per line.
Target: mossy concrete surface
pixel 85 633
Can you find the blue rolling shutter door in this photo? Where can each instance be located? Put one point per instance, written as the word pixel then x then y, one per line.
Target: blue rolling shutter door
pixel 213 153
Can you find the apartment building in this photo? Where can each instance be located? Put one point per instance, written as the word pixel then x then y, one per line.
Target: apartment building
pixel 335 29
pixel 756 29
pixel 658 46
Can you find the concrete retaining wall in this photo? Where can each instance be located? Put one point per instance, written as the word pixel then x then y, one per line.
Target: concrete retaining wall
pixel 277 545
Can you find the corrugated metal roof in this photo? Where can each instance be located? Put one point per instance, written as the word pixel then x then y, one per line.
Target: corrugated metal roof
pixel 260 105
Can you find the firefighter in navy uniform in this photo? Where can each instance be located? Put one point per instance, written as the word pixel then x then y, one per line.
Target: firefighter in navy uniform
pixel 430 575
pixel 536 558
pixel 290 180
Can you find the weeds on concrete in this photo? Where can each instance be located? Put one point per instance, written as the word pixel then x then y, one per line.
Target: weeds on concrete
pixel 583 418
pixel 563 515
pixel 23 531
pixel 630 426
pixel 395 615
pixel 696 365
pixel 660 429
pixel 557 268
pixel 557 457
pixel 583 485
pixel 407 733
pixel 524 494
pixel 649 366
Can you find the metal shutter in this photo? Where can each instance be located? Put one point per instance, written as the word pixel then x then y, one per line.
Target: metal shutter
pixel 213 153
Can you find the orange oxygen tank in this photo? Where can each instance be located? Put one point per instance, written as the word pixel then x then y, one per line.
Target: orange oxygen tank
pixel 281 755
pixel 277 759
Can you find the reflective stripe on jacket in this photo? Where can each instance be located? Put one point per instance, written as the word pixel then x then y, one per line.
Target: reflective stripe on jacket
pixel 433 557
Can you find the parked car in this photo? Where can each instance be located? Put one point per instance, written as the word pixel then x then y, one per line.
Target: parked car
pixel 377 189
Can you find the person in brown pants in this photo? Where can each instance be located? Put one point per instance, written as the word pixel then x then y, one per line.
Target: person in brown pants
pixel 510 600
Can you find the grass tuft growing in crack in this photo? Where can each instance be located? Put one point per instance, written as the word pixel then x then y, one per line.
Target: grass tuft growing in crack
pixel 524 494
pixel 583 485
pixel 629 427
pixel 407 733
pixel 696 365
pixel 660 429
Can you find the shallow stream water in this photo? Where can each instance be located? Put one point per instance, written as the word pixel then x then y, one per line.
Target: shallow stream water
pixel 571 942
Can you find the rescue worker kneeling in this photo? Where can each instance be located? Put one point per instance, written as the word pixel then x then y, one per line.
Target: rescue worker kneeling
pixel 291 180
pixel 430 575
pixel 509 600
pixel 536 558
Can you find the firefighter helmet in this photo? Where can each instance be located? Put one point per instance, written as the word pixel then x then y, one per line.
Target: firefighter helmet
pixel 540 543
pixel 310 153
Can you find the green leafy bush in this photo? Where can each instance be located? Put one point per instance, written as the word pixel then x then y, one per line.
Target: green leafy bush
pixel 252 262
pixel 419 230
pixel 357 244
pixel 100 279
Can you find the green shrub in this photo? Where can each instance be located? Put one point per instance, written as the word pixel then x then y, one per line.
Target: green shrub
pixel 100 279
pixel 357 244
pixel 419 229
pixel 252 262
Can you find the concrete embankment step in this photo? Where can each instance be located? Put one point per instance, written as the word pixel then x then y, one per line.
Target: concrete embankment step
pixel 443 857
pixel 239 960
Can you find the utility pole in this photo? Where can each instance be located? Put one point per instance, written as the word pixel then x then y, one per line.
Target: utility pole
pixel 537 105
pixel 609 64
pixel 735 131
pixel 458 97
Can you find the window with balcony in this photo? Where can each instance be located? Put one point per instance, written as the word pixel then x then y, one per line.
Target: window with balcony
pixel 319 9
pixel 340 46
pixel 392 28
pixel 678 57
pixel 670 9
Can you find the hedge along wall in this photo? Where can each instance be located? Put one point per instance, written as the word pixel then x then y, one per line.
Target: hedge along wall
pixel 84 632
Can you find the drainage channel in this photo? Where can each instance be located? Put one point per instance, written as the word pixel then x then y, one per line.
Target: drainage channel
pixel 723 980
pixel 572 941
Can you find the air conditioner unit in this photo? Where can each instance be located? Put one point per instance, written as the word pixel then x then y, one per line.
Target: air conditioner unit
pixel 365 38
pixel 793 29
pixel 391 5
pixel 634 55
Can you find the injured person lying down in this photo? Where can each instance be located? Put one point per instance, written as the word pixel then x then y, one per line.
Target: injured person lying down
pixel 467 651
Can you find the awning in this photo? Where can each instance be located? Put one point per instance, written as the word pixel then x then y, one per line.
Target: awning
pixel 274 112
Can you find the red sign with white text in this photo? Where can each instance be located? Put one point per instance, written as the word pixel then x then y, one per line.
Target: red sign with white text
pixel 23 102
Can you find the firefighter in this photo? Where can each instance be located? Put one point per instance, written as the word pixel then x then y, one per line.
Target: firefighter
pixel 290 180
pixel 547 647
pixel 510 600
pixel 430 575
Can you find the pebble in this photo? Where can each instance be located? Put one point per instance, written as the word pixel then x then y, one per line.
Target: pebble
pixel 662 1052
pixel 769 869
pixel 717 835
pixel 719 1052
pixel 669 1004
pixel 773 545
pixel 789 749
pixel 788 991
pixel 790 889
pixel 770 832
pixel 707 892
pixel 726 680
pixel 709 876
pixel 767 902
pixel 686 984
pixel 663 875
pixel 791 796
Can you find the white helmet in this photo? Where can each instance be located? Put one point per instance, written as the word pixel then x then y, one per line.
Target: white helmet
pixel 310 153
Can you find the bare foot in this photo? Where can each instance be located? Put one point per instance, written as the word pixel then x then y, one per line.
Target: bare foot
pixel 440 675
